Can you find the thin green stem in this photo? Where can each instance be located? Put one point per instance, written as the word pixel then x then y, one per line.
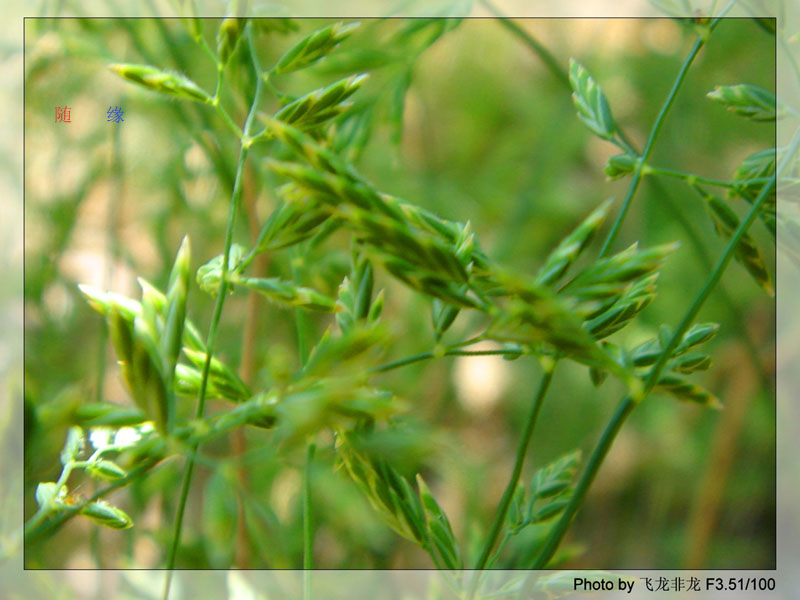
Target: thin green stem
pixel 227 118
pixel 112 239
pixel 279 95
pixel 587 477
pixel 624 143
pixel 698 179
pixel 452 351
pixel 506 538
pixel 648 148
pixel 519 461
pixel 308 531
pixel 210 343
pixel 218 88
pixel 207 49
pixel 541 51
pixel 627 404
pixel 308 535
pixel 302 327
pixel 212 332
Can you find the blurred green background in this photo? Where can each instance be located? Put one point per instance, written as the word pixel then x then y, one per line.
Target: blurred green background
pixel 475 128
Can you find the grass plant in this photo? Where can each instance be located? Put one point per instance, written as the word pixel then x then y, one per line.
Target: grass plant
pixel 329 409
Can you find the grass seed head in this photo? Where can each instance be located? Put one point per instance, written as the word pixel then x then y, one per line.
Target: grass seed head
pixel 157 80
pixel 103 513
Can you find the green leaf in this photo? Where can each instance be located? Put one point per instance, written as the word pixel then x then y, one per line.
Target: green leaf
pixel 591 103
pixel 346 351
pixel 189 19
pixel 313 47
pixel 221 375
pixel 286 293
pixel 188 380
pixel 548 493
pixel 103 513
pixel 746 252
pixel 648 352
pixel 598 376
pixel 172 337
pixel 635 299
pixel 442 316
pixel 534 315
pixel 549 480
pixel 148 386
pixel 620 165
pixel 353 130
pixel 296 218
pixel 376 309
pixel 689 363
pixel 355 294
pixel 699 333
pixel 548 511
pixel 321 105
pixel 746 100
pixel 362 276
pixel 687 392
pixel 439 528
pixel 382 488
pixel 571 247
pixel 609 277
pixel 106 470
pixel 103 302
pixel 400 241
pixel 319 157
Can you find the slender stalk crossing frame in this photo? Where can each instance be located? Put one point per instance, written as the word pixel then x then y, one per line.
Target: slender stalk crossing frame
pixel 519 461
pixel 212 332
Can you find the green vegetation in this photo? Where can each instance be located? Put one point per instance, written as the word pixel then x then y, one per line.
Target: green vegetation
pixel 406 302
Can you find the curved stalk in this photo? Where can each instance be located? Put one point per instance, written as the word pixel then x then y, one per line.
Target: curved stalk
pixel 212 332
